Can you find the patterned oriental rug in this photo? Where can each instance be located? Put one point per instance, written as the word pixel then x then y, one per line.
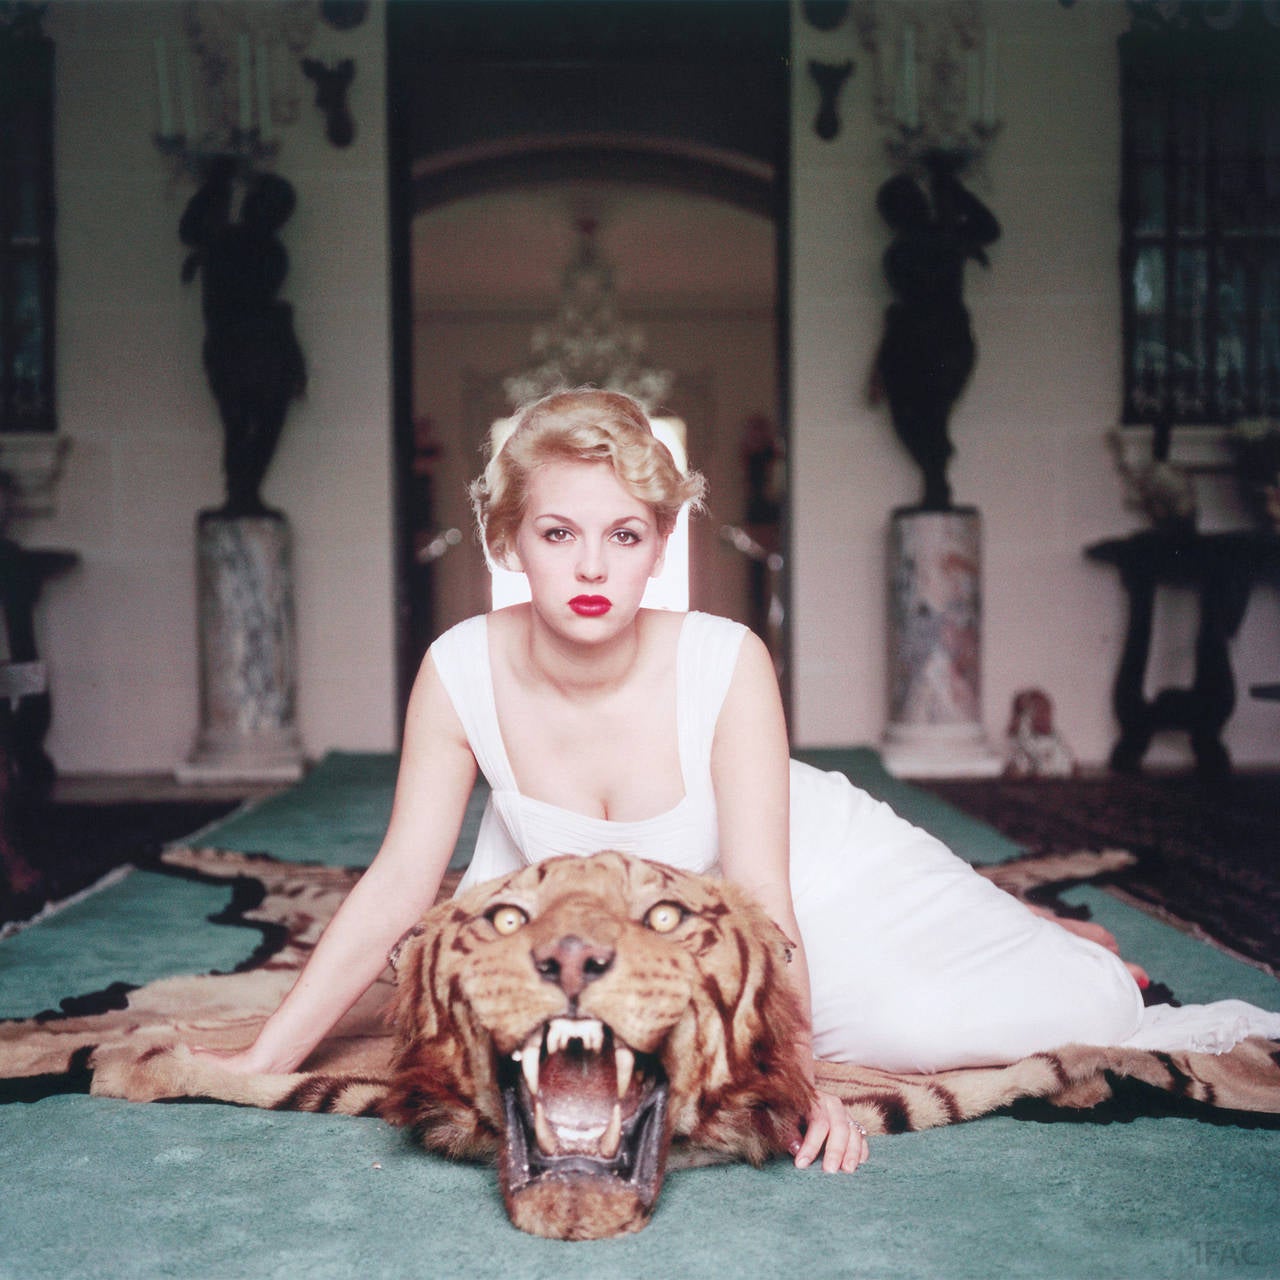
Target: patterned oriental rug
pixel 1147 1184
pixel 1207 856
pixel 130 1042
pixel 71 846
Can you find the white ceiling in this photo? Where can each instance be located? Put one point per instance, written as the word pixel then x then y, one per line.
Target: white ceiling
pixel 667 248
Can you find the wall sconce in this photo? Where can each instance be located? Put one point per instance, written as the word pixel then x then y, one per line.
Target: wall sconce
pixel 830 78
pixel 226 88
pixel 935 76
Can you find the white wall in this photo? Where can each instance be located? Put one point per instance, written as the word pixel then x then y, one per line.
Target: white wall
pixel 119 633
pixel 1030 429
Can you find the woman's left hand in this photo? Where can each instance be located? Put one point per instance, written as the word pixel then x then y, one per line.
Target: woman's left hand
pixel 831 1126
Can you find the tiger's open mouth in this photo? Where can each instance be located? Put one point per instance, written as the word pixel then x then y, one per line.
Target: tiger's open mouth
pixel 585 1122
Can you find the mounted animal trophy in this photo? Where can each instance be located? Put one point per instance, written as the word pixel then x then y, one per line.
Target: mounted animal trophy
pixel 586 1022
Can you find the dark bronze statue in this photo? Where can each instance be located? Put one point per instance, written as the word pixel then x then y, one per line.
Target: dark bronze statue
pixel 928 352
pixel 251 354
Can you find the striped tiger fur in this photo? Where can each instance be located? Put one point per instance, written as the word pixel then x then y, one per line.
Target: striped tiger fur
pixel 130 1041
pixel 578 1017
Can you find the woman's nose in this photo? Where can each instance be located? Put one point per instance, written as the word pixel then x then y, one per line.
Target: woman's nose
pixel 590 564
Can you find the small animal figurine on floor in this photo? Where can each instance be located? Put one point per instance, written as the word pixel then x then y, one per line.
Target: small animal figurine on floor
pixel 1036 749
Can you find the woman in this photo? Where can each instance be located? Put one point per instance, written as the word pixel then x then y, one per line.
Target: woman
pixel 600 724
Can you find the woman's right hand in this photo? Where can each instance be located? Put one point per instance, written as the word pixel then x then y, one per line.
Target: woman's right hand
pixel 390 897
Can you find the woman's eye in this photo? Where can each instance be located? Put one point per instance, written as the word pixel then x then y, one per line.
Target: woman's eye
pixel 557 535
pixel 628 537
pixel 507 919
pixel 665 917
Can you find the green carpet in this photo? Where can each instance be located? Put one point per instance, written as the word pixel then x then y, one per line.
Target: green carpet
pixel 97 1188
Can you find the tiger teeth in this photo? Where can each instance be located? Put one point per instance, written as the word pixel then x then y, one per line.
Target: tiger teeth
pixel 542 1130
pixel 529 1065
pixel 561 1032
pixel 611 1139
pixel 625 1062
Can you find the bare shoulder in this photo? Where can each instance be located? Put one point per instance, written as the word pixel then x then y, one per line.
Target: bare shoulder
pixel 755 663
pixel 660 628
pixel 507 629
pixel 509 618
pixel 753 703
pixel 431 719
pixel 507 625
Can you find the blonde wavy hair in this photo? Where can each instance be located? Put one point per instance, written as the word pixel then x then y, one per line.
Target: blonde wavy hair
pixel 583 425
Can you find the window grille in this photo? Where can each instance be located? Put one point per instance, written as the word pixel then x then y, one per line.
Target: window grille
pixel 26 224
pixel 1200 214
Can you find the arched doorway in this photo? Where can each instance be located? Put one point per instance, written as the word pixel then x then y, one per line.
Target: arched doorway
pixel 503 133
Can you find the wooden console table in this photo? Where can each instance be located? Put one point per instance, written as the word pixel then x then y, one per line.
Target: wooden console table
pixel 23 574
pixel 26 772
pixel 1222 568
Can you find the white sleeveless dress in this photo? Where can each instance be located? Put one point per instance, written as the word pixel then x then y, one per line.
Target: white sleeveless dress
pixel 916 962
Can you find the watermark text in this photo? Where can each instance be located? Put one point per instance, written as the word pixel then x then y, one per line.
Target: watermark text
pixel 1226 1254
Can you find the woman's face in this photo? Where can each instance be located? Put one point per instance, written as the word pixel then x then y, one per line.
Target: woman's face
pixel 588 548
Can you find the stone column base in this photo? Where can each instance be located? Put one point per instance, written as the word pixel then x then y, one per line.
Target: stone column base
pixel 265 759
pixel 935 634
pixel 247 661
pixel 939 751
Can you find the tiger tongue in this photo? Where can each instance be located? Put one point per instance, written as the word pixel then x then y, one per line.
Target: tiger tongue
pixel 577 1091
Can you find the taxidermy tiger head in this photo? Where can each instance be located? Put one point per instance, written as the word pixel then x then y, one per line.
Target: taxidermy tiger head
pixel 582 1019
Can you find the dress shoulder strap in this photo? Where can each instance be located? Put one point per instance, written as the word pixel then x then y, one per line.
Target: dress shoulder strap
pixel 708 657
pixel 461 657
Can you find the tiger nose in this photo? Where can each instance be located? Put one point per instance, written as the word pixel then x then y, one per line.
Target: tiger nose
pixel 571 963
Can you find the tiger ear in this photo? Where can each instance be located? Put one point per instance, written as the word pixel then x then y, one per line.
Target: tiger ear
pixel 786 947
pixel 406 940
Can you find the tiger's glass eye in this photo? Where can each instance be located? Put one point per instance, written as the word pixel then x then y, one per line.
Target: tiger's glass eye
pixel 664 917
pixel 507 919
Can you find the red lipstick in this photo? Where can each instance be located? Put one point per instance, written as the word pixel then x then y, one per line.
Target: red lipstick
pixel 591 606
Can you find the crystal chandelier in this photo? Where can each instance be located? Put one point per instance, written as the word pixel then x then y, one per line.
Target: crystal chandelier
pixel 587 344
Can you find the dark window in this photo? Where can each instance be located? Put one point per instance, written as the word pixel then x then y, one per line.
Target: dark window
pixel 26 225
pixel 1201 213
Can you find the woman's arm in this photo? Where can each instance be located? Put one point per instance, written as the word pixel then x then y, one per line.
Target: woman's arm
pixel 437 771
pixel 750 770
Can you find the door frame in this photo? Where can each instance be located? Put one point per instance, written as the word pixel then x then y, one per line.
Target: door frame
pixel 593 73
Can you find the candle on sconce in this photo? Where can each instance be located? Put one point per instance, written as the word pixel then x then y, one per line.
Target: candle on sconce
pixel 164 89
pixel 909 107
pixel 246 86
pixel 989 81
pixel 263 73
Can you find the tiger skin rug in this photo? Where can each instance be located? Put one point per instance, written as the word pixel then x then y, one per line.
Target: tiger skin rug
pixel 586 1073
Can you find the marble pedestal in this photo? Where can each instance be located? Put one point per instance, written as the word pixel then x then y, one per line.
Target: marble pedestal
pixel 248 665
pixel 935 633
